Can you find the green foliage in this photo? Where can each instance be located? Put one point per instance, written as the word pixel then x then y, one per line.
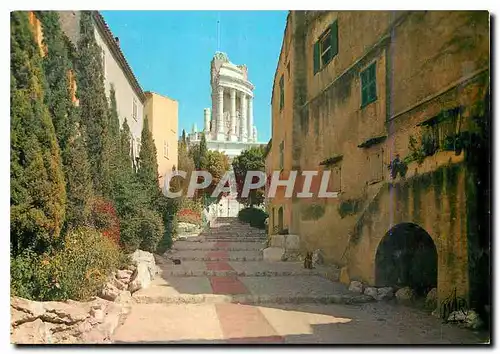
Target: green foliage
pixel 249 160
pixel 65 117
pixel 186 164
pixel 217 166
pixel 168 208
pixel 199 154
pixel 313 212
pixel 254 216
pixel 38 195
pixel 151 230
pixel 77 271
pixel 349 207
pixel 94 107
pixel 427 146
pixel 147 171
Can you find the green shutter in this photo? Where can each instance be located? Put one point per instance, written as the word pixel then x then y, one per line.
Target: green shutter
pixel 335 38
pixel 316 57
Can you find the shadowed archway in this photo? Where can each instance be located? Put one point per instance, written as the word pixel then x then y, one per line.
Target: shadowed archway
pixel 407 256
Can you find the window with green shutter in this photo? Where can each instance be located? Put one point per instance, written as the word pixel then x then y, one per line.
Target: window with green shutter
pixel 326 48
pixel 368 85
pixel 282 93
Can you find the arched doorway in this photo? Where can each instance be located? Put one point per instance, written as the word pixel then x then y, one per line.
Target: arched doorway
pixel 407 256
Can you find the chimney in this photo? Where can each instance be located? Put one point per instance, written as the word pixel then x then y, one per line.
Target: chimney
pixel 117 40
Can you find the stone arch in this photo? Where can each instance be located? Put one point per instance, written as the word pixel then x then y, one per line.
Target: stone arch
pixel 407 256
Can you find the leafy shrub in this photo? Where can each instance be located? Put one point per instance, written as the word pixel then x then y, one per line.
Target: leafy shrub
pixel 256 217
pixel 76 271
pixel 130 238
pixel 189 216
pixel 150 229
pixel 105 219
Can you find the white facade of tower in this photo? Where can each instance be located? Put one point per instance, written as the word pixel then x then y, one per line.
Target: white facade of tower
pixel 229 126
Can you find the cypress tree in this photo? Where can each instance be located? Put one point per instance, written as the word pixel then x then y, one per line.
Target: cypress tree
pixel 38 196
pixel 147 171
pixel 94 108
pixel 57 67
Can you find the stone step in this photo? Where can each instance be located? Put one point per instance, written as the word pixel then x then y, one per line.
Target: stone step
pixel 203 255
pixel 200 239
pixel 247 290
pixel 243 269
pixel 246 299
pixel 218 246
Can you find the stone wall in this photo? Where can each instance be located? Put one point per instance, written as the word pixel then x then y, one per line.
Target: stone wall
pixel 426 62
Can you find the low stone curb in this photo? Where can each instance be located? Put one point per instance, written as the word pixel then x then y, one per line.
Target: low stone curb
pixel 223 273
pixel 222 248
pixel 213 259
pixel 253 299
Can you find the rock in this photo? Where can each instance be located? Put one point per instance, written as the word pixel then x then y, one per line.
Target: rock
pixel 124 275
pixel 431 298
pixel 23 310
pixel 146 258
pixel 65 313
pixel 405 295
pixel 125 297
pixel 344 276
pixel 356 287
pixel 68 322
pixel 385 293
pixel 469 318
pixel 35 332
pixel 118 284
pixel 273 254
pixel 97 314
pixel 317 258
pixel 370 291
pixel 109 292
pixel 290 256
pixel 141 278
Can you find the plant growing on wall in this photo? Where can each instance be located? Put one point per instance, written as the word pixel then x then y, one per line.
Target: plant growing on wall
pixel 349 207
pixel 313 212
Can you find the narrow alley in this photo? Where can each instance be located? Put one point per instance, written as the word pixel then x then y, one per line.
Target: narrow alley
pixel 223 292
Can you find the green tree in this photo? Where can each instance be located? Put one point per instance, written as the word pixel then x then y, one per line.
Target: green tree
pixel 94 107
pixel 186 163
pixel 249 160
pixel 38 196
pixel 217 166
pixel 199 153
pixel 147 170
pixel 57 66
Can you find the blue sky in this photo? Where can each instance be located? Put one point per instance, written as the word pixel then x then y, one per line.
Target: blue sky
pixel 170 53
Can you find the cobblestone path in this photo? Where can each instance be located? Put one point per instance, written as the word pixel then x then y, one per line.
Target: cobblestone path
pixel 223 292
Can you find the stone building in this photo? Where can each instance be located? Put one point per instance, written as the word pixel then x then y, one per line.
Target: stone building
pixel 130 97
pixel 162 115
pixel 356 92
pixel 230 127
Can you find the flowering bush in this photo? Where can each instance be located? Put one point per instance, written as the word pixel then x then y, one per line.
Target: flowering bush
pixel 105 219
pixel 189 216
pixel 76 271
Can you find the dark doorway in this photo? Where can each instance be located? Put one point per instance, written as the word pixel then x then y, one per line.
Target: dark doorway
pixel 280 219
pixel 407 256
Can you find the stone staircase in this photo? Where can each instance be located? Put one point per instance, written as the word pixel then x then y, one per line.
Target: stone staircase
pixel 225 264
